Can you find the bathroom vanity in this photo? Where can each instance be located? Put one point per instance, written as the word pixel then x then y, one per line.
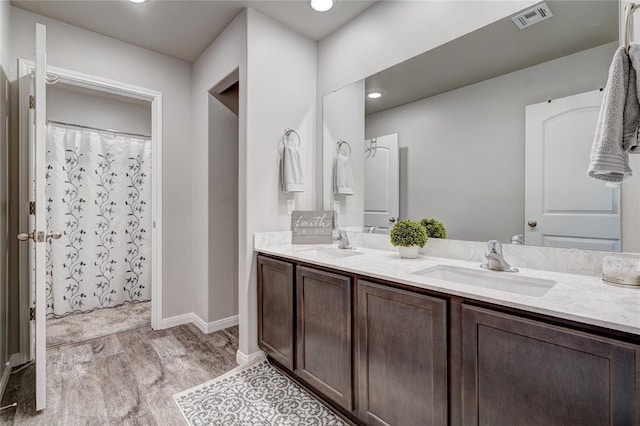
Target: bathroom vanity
pixel 387 341
pixel 491 134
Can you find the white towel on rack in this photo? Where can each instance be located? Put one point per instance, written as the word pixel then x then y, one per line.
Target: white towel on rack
pixel 342 175
pixel 291 176
pixel 619 120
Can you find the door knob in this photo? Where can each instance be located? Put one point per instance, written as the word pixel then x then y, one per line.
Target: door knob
pixel 392 219
pixel 532 223
pixel 54 235
pixel 25 236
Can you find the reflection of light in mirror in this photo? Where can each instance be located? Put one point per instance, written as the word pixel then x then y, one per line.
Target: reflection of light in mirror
pixel 321 5
pixel 374 95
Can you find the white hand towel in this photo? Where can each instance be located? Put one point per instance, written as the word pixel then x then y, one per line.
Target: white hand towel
pixel 619 119
pixel 342 175
pixel 291 176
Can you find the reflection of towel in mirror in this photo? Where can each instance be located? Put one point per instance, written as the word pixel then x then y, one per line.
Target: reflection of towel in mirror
pixel 619 119
pixel 291 176
pixel 342 175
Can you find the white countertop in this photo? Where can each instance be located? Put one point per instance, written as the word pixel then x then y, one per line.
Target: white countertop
pixel 575 297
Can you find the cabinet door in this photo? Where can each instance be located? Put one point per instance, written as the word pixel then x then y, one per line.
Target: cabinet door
pixel 401 357
pixel 525 372
pixel 324 333
pixel 275 309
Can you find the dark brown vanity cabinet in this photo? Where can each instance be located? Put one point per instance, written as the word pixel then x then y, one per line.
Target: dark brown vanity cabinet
pixel 401 355
pixel 323 333
pixel 388 355
pixel 525 372
pixel 275 310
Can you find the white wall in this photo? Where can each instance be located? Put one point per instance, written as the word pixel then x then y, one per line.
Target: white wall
pixel 5 13
pixel 391 32
pixel 343 115
pixel 276 66
pixel 97 109
pixel 91 53
pixel 462 152
pixel 281 71
pixel 225 55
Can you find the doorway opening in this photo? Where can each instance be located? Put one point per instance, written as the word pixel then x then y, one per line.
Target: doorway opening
pixel 104 177
pixel 223 238
pixel 98 196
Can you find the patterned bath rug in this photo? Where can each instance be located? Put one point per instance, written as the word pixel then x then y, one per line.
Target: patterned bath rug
pixel 254 394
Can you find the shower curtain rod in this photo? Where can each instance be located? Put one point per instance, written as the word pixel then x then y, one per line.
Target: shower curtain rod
pixel 97 128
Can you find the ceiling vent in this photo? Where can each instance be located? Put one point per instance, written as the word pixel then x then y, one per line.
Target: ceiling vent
pixel 532 16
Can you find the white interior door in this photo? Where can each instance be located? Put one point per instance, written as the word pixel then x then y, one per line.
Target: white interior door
pixel 381 181
pixel 38 235
pixel 563 206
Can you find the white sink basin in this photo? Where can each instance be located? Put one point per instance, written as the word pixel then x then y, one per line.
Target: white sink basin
pixel 328 253
pixel 494 280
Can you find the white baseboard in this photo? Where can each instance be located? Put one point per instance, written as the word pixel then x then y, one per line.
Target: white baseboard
pixel 18 359
pixel 210 327
pixel 205 327
pixel 5 378
pixel 242 358
pixel 176 321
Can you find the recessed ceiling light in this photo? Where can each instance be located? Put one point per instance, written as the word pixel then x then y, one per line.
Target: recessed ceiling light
pixel 138 1
pixel 374 95
pixel 321 5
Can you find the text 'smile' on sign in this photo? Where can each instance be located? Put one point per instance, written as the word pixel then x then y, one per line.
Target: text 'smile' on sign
pixel 312 227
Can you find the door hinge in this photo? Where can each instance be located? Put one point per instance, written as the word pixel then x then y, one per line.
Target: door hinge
pixel 32 207
pixel 32 102
pixel 32 314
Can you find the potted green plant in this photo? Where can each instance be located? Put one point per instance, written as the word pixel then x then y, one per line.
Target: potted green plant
pixel 434 228
pixel 408 236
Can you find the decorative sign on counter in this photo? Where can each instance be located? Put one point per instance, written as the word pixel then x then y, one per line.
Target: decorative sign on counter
pixel 312 227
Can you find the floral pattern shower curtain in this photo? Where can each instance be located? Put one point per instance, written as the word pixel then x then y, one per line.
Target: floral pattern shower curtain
pixel 99 196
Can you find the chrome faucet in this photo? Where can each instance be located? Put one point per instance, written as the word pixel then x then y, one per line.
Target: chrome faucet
pixel 517 239
pixel 343 241
pixel 495 259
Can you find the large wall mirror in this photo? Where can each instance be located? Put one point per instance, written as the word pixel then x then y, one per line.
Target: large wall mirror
pixel 490 134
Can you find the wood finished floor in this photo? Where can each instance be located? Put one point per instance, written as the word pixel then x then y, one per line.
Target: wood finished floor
pixel 122 379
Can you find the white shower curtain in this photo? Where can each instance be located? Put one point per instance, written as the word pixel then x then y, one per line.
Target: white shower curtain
pixel 99 196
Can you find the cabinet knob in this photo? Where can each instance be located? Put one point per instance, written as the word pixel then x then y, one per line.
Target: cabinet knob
pixel 532 223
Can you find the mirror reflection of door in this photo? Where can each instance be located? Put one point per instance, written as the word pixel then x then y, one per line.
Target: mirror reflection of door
pixel 382 182
pixel 563 206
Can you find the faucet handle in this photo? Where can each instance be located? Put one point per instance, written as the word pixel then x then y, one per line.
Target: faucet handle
pixel 343 240
pixel 494 246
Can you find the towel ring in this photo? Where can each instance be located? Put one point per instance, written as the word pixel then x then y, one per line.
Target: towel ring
pixel 339 144
pixel 287 134
pixel 629 9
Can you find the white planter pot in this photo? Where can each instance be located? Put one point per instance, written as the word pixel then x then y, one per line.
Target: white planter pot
pixel 409 252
